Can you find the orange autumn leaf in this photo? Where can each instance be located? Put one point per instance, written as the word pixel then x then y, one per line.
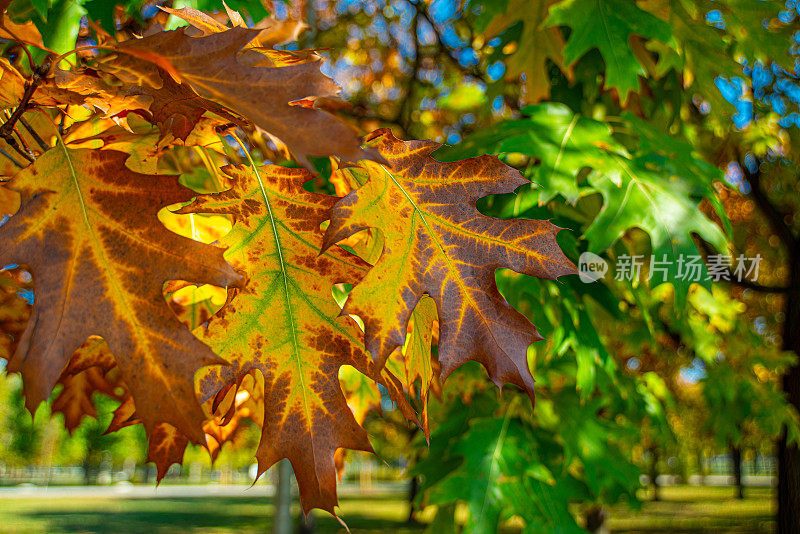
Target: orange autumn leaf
pixel 132 301
pixel 88 229
pixel 415 362
pixel 14 310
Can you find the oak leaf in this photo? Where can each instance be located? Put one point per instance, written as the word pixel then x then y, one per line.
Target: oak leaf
pixel 175 108
pixel 88 228
pixel 86 88
pixel 243 402
pixel 272 31
pixel 12 85
pixel 608 25
pixel 418 364
pixel 75 401
pixel 91 370
pixel 438 243
pixel 165 447
pixel 172 106
pixel 14 309
pixel 124 415
pixel 211 65
pixel 286 325
pixel 536 45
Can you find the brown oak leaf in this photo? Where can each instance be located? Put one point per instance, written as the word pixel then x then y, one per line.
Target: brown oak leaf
pixel 436 242
pixel 88 229
pixel 211 65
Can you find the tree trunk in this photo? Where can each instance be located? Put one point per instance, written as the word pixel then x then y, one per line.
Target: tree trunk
pixel 736 457
pixel 413 489
pixel 87 471
pixel 654 472
pixel 595 518
pixel 789 462
pixel 701 467
pixel 789 455
pixel 282 520
pixel 308 524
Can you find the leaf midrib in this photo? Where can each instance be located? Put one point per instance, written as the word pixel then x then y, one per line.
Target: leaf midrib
pixel 641 186
pixel 495 460
pixel 287 300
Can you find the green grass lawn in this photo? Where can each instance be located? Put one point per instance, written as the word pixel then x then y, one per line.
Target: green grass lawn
pixel 682 510
pixel 215 515
pixel 689 509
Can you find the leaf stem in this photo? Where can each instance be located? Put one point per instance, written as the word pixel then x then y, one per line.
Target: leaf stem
pixel 63 56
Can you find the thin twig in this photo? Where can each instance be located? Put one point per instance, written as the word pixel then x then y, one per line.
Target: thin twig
pixel 58 59
pixel 775 217
pixel 35 135
pixel 25 146
pixel 446 51
pixel 747 284
pixel 403 114
pixel 15 162
pixel 13 144
pixel 7 129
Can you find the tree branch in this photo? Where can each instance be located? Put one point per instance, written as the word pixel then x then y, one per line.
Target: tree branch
pixel 22 142
pixel 448 52
pixel 747 284
pixel 776 219
pixel 403 116
pixel 759 287
pixel 33 133
pixel 12 142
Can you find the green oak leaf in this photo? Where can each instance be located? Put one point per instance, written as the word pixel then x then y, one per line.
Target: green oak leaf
pixel 564 143
pixel 645 194
pixel 494 467
pixel 537 45
pixel 608 25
